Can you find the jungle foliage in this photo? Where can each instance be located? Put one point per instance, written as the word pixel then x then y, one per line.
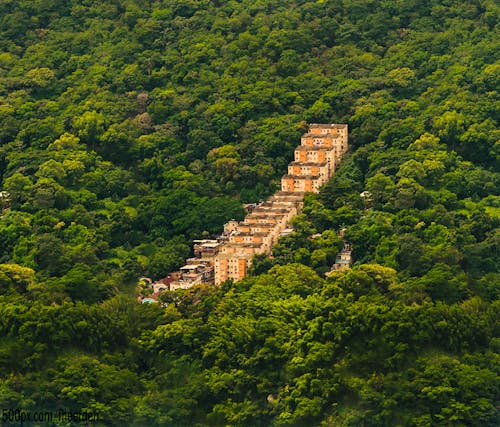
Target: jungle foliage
pixel 130 127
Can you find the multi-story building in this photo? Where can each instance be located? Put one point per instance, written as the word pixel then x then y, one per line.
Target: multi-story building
pixel 230 255
pixel 343 260
pixel 315 161
pixel 206 249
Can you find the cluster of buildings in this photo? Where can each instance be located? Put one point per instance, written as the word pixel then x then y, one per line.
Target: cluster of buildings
pixel 315 161
pixel 229 256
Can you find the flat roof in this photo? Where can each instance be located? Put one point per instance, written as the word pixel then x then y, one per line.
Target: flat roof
pixel 301 176
pixel 269 211
pixel 320 135
pixel 296 195
pixel 258 224
pixel 236 256
pixel 210 245
pixel 307 163
pixel 250 233
pixel 263 216
pixel 242 245
pixel 327 125
pixel 313 148
pixel 193 260
pixel 263 219
pixel 192 266
pixel 289 197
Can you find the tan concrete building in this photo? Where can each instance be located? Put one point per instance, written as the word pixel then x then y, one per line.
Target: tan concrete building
pixel 308 168
pixel 206 249
pixel 329 128
pixel 315 161
pixel 343 261
pixel 307 183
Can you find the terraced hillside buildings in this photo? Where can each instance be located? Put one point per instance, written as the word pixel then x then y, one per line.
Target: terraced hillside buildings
pixel 321 150
pixel 230 255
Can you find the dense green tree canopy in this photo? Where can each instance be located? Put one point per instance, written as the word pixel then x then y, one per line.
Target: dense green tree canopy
pixel 130 127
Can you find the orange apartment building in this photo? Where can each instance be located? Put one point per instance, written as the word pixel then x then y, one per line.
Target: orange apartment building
pixel 315 161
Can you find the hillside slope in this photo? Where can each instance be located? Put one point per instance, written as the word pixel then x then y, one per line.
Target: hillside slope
pixel 127 128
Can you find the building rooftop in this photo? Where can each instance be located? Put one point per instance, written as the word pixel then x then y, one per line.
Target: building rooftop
pixel 301 176
pixel 327 126
pixel 312 148
pixel 192 267
pixel 282 199
pixel 167 279
pixel 257 224
pixel 299 195
pixel 210 245
pixel 264 218
pixel 275 210
pixel 267 203
pixel 250 233
pixel 233 245
pixel 196 260
pixel 324 135
pixel 239 245
pixel 307 163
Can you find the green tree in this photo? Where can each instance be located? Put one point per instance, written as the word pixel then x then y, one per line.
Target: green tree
pixel 19 188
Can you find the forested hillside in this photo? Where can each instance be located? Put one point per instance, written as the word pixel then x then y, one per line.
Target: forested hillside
pixel 128 128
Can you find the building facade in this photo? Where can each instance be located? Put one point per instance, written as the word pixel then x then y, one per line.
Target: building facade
pixel 320 152
pixel 229 256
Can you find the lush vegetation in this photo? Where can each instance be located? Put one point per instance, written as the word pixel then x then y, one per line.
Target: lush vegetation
pixel 127 128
